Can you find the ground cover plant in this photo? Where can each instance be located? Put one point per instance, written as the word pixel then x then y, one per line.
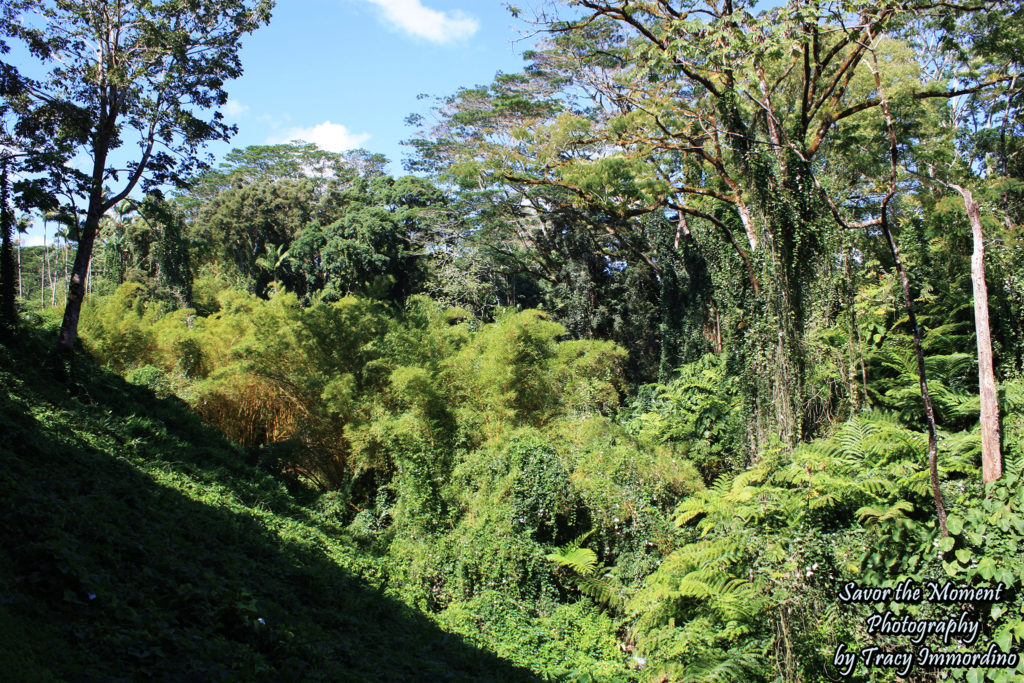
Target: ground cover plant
pixel 138 542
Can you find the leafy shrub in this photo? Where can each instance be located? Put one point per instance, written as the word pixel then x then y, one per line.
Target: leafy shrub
pixel 152 378
pixel 697 415
pixel 566 642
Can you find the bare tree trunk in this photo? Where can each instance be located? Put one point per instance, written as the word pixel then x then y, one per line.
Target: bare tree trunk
pixel 53 282
pixel 42 274
pixel 991 458
pixel 8 310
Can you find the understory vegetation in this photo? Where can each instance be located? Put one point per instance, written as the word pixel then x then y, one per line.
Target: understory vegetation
pixel 494 479
pixel 671 338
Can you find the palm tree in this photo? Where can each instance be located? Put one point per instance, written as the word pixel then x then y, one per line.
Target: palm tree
pixel 23 224
pixel 68 226
pixel 276 256
pixel 43 266
pixel 62 235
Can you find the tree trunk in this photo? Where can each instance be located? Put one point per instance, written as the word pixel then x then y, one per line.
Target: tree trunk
pixel 53 282
pixel 83 255
pixel 79 271
pixel 65 270
pixel 8 311
pixel 42 274
pixel 929 411
pixel 991 458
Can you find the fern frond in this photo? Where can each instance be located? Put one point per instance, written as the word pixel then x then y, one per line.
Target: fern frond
pixel 583 561
pixel 605 590
pixel 872 516
pixel 736 664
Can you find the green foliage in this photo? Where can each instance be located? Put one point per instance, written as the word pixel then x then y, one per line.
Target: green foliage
pixel 988 538
pixel 698 415
pixel 239 225
pixel 119 329
pixel 320 224
pixel 655 197
pixel 564 642
pixel 589 575
pixel 751 589
pixel 136 539
pixel 385 412
pixel 152 378
pixel 580 560
pixel 506 371
pixel 366 245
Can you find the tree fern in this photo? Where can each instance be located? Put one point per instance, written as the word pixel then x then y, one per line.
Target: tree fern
pixel 756 542
pixel 874 515
pixel 736 664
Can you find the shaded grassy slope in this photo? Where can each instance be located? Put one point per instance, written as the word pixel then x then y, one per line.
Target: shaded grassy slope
pixel 134 542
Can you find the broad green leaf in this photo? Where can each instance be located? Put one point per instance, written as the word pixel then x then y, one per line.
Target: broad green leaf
pixel 955 525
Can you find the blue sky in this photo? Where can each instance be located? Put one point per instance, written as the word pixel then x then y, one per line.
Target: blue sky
pixel 346 73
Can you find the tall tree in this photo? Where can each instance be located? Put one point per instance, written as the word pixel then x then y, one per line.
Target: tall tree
pixel 271 163
pixel 995 39
pixel 152 70
pixel 18 153
pixel 989 123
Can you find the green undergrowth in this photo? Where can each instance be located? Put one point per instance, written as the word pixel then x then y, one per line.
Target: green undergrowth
pixel 136 542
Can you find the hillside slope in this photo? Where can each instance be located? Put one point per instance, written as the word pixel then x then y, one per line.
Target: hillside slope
pixel 136 542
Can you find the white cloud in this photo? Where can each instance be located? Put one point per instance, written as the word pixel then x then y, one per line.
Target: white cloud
pixel 234 108
pixel 412 17
pixel 332 137
pixel 32 240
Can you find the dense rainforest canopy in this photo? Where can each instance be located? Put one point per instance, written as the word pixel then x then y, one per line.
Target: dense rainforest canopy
pixel 707 312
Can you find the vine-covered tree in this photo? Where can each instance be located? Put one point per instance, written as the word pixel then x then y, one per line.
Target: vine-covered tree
pixel 764 129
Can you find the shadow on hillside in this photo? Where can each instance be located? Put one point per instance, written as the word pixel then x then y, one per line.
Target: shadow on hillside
pixel 126 578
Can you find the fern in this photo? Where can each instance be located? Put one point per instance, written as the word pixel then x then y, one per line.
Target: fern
pixel 604 590
pixel 874 516
pixel 745 569
pixel 736 664
pixel 583 561
pixel 591 577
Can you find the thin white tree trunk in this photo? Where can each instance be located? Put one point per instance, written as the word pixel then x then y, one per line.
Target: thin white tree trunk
pixel 991 457
pixel 53 281
pixel 42 273
pixel 65 271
